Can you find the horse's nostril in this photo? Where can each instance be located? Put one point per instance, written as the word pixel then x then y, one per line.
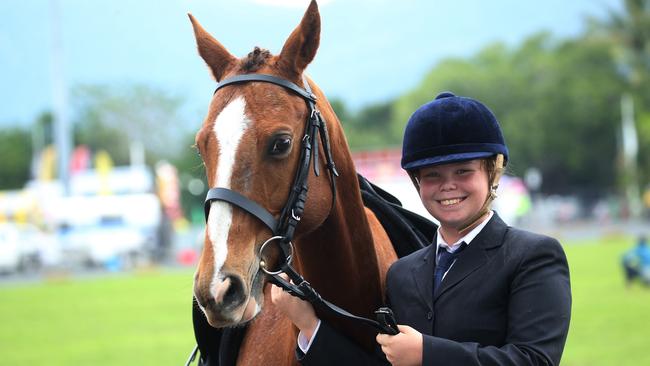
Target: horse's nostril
pixel 231 293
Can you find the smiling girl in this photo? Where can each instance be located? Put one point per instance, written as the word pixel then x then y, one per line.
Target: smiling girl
pixel 483 293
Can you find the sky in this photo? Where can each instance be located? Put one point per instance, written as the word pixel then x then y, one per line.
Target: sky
pixel 371 50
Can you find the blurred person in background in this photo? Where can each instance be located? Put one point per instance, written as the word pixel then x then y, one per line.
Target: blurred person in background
pixel 636 263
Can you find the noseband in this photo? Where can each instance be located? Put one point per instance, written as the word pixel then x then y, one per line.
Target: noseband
pixel 283 229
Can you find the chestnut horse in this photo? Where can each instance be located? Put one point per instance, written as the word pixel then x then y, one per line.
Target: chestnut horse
pixel 250 143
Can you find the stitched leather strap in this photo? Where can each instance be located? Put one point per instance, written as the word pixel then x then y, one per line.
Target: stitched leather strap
pixel 224 194
pixel 385 322
pixel 268 79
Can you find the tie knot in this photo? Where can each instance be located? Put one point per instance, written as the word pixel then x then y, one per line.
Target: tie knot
pixel 445 259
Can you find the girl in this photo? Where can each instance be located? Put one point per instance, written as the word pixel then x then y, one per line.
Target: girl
pixel 484 293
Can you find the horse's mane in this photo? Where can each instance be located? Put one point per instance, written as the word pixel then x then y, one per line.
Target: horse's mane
pixel 254 60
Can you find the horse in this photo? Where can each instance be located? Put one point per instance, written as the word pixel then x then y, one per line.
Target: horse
pixel 250 143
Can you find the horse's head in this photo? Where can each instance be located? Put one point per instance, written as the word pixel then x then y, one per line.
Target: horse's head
pixel 250 143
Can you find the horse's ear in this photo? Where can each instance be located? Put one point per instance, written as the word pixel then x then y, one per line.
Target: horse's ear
pixel 301 46
pixel 213 53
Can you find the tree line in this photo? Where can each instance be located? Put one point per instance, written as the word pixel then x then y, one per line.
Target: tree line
pixel 558 101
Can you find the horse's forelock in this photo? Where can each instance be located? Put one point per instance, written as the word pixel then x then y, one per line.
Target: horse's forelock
pixel 255 60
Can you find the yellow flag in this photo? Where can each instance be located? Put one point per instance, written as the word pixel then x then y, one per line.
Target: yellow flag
pixel 104 166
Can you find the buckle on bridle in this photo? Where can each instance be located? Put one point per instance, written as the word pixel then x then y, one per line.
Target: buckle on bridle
pixel 287 260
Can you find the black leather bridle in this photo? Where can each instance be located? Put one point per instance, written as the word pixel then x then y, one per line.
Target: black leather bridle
pixel 283 229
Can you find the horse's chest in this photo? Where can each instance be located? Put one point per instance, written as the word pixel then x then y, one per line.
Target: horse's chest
pixel 270 340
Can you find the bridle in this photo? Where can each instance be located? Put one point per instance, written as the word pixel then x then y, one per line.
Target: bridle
pixel 283 229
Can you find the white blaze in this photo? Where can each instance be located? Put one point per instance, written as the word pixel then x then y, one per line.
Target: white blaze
pixel 228 128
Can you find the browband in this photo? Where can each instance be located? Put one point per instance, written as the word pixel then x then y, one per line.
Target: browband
pixel 268 79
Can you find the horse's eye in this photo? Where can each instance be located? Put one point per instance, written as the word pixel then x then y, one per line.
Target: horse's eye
pixel 281 146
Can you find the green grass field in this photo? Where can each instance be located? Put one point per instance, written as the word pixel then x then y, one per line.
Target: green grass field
pixel 610 324
pixel 144 318
pixel 141 319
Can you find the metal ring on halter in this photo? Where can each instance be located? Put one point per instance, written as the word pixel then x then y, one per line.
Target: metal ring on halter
pixel 263 263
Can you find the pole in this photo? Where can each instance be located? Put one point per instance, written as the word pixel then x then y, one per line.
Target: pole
pixel 62 135
pixel 630 151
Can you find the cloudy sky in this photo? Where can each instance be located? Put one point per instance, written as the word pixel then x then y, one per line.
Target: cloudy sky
pixel 371 50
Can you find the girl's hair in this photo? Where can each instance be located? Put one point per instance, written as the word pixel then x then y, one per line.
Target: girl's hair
pixel 494 171
pixel 490 165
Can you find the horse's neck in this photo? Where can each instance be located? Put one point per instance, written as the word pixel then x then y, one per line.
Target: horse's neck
pixel 339 257
pixel 344 241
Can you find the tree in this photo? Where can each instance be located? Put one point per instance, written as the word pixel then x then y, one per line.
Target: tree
pixel 111 118
pixel 16 152
pixel 190 167
pixel 371 127
pixel 628 31
pixel 557 102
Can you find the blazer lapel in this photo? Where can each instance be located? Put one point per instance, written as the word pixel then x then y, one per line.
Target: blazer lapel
pixel 423 275
pixel 475 255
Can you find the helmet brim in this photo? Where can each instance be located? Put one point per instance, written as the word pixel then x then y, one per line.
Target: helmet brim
pixel 446 159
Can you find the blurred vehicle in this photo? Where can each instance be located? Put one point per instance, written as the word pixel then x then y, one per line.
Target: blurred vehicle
pixel 38 249
pixel 109 216
pixel 117 230
pixel 9 248
pixel 26 248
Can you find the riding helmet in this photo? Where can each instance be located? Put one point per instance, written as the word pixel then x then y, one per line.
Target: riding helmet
pixel 451 129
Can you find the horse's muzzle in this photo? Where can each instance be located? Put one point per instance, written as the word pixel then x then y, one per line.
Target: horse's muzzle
pixel 224 303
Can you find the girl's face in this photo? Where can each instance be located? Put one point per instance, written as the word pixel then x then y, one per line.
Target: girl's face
pixel 454 192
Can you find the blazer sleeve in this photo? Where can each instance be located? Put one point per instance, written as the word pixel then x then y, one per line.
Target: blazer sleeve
pixel 333 348
pixel 539 310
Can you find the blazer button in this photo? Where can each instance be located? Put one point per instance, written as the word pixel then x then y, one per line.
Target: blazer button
pixel 429 315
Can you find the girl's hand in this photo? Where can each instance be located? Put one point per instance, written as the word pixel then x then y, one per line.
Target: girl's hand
pixel 403 349
pixel 300 312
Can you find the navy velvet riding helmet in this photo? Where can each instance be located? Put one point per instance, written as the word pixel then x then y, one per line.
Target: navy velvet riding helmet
pixel 451 129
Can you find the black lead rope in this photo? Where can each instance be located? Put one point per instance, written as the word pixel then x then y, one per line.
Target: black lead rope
pixel 284 227
pixel 385 322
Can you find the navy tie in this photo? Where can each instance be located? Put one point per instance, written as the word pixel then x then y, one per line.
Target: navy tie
pixel 445 260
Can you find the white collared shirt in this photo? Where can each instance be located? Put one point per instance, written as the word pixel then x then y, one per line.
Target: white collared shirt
pixel 441 243
pixel 303 343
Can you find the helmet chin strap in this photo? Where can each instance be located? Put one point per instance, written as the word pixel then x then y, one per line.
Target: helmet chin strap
pixel 493 184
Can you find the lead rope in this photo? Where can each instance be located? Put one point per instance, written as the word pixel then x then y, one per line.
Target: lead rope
pixel 385 322
pixel 192 355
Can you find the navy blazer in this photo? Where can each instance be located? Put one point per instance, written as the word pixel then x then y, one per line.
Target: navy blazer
pixel 505 301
